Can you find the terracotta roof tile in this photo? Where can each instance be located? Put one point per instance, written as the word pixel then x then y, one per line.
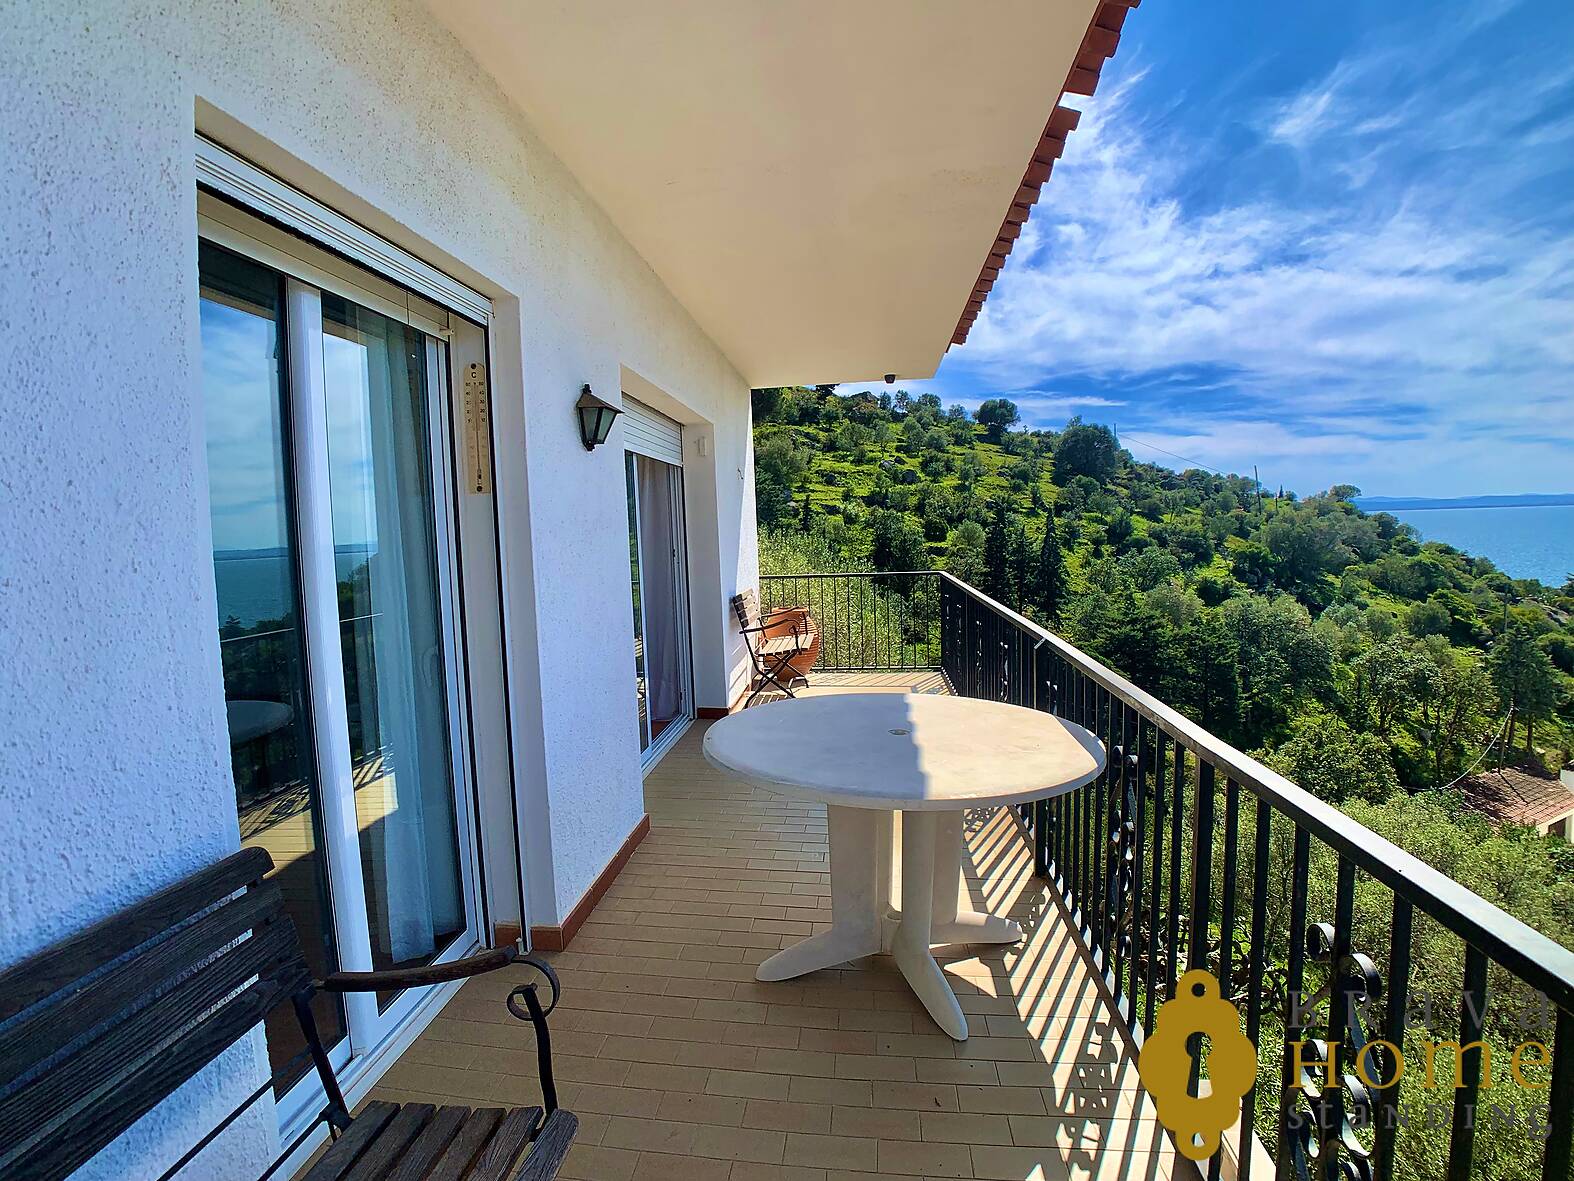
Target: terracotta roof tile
pixel 1512 796
pixel 1098 46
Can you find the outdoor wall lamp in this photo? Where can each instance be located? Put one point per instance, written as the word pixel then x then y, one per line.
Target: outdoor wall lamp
pixel 595 418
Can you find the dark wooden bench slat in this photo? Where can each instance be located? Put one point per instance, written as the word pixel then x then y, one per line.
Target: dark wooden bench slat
pixel 58 966
pixel 347 1149
pixel 455 1162
pixel 496 1163
pixel 550 1147
pixel 438 1134
pixel 54 1023
pixel 136 1092
pixel 99 1084
pixel 390 1146
pixel 112 1020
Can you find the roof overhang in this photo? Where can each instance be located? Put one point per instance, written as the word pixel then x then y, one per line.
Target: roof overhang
pixel 817 182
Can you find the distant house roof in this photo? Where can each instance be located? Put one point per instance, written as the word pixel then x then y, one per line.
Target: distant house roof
pixel 1512 796
pixel 1098 46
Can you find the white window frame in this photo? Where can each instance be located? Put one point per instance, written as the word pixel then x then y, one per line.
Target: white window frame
pixel 224 172
pixel 373 1038
pixel 655 750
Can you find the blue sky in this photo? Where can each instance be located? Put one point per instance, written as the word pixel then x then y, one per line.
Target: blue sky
pixel 1334 241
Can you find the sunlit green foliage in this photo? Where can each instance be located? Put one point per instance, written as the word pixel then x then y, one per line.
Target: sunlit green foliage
pixel 1251 612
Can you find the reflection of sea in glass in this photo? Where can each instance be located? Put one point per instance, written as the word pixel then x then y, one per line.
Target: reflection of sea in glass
pixel 259 634
pixel 391 630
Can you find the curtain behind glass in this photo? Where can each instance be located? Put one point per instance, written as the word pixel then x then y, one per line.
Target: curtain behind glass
pixel 657 528
pixel 391 629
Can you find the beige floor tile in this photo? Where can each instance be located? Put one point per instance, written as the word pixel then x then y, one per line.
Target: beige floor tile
pixel 832 1151
pixel 682 1065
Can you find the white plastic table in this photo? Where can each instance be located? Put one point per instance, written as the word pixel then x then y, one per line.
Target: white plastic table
pixel 867 756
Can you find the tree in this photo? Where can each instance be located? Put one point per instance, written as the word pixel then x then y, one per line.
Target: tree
pixel 1391 678
pixel 767 404
pixel 772 500
pixel 779 459
pixel 1429 618
pixel 896 543
pixel 997 555
pixel 1282 661
pixel 1049 574
pixel 997 415
pixel 965 553
pixel 1304 548
pixel 1459 694
pixel 1139 640
pixel 1525 679
pixel 1119 528
pixel 1334 762
pixel 1208 679
pixel 1086 450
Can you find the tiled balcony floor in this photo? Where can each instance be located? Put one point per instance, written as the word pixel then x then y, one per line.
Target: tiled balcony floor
pixel 679 1064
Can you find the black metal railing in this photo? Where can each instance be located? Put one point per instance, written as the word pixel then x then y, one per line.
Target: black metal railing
pixel 1408 1026
pixel 867 621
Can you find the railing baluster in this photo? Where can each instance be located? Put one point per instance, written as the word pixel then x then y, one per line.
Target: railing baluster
pixel 1294 980
pixel 1262 834
pixel 1558 1162
pixel 1341 995
pixel 1155 890
pixel 1472 1017
pixel 1397 985
pixel 1172 967
pixel 1139 821
pixel 1201 868
pixel 1232 825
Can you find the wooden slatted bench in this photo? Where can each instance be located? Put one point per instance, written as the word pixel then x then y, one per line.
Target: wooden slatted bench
pixel 97 1030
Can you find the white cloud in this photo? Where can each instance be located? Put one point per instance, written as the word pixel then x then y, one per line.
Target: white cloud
pixel 1409 306
pixel 1306 115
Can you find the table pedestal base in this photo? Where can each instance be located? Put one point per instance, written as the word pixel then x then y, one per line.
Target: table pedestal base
pixel 863 921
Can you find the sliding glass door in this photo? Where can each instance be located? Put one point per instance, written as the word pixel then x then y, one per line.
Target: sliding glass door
pixel 256 567
pixel 332 502
pixel 657 562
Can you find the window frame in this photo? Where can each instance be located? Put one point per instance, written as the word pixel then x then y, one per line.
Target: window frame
pixel 373 1037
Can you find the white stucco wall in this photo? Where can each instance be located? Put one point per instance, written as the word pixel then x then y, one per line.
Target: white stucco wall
pixel 114 765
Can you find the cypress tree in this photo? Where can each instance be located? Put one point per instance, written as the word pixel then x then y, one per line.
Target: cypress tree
pixel 997 555
pixel 1049 583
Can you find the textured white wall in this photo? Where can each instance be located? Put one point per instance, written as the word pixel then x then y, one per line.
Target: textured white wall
pixel 114 774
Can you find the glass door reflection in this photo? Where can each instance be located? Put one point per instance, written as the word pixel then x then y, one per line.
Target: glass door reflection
pixel 257 577
pixel 657 562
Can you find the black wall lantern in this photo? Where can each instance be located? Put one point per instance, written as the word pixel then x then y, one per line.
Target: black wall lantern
pixel 595 418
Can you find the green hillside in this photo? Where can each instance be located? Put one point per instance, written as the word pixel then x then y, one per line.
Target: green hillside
pixel 1357 658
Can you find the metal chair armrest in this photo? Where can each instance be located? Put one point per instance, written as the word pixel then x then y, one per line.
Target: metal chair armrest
pixel 396 978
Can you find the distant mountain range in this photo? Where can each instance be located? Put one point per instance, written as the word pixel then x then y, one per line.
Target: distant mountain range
pixel 1379 504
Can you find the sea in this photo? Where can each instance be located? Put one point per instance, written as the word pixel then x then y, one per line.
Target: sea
pixel 1523 541
pixel 254 584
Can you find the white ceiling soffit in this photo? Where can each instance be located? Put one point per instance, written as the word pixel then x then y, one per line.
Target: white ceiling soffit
pixel 818 182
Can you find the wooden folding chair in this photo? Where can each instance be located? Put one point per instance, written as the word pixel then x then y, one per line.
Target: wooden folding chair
pixel 775 639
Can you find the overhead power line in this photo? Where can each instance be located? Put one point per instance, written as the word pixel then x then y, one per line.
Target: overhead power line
pixel 1175 455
